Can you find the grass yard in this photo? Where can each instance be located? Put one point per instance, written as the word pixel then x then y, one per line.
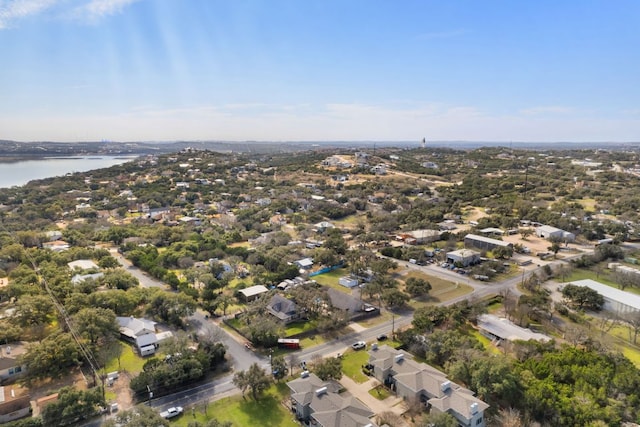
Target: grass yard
pixel 486 343
pixel 352 362
pixel 244 412
pixel 380 392
pixel 129 361
pixel 299 327
pixel 331 279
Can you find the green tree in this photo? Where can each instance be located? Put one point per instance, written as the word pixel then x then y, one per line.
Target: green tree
pixel 583 297
pixel 52 357
pixel 417 287
pixel 329 368
pixel 96 325
pixel 72 405
pixel 278 367
pixel 33 310
pixel 394 298
pixel 139 416
pixel 255 379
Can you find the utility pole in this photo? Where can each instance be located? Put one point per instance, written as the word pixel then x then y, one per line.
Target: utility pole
pixel 393 326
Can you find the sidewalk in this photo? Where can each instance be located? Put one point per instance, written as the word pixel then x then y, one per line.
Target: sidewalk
pixel 361 392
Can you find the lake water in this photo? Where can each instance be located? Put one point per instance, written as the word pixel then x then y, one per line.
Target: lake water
pixel 19 173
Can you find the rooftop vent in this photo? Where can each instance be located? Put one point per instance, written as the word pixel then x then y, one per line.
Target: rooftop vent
pixel 473 408
pixel 445 386
pixel 321 391
pixel 399 357
pixel 304 374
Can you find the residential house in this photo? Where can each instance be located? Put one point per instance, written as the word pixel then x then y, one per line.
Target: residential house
pixel 11 367
pixel 283 309
pixel 56 246
pixel 14 403
pixel 304 263
pixel 418 381
pixel 140 332
pixel 317 403
pixel 354 307
pixel 83 264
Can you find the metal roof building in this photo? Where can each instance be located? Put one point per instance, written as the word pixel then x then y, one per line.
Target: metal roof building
pixel 615 300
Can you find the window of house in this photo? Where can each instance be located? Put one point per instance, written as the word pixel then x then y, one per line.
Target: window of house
pixel 479 421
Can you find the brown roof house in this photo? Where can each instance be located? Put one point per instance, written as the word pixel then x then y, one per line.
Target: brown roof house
pixel 14 403
pixel 318 403
pixel 413 380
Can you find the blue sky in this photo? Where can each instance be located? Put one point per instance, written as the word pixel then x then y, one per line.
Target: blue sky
pixel 477 70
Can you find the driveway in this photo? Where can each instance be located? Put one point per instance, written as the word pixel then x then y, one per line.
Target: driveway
pixel 361 392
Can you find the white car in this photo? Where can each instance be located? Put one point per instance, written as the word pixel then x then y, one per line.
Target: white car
pixel 174 411
pixel 358 345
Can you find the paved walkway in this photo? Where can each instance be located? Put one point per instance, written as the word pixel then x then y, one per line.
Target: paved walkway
pixel 361 391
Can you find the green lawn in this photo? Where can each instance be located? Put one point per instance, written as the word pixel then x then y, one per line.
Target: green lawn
pixel 352 362
pixel 129 361
pixel 380 392
pixel 331 279
pixel 298 328
pixel 245 412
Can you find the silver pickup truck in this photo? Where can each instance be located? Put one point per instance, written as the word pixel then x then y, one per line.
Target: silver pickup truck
pixel 172 412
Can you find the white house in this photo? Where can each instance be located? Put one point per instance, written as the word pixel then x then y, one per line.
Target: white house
pixel 141 332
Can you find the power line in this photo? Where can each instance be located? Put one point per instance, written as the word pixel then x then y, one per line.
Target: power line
pixel 86 353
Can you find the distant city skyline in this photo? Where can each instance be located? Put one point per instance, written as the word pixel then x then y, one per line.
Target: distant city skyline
pixel 287 70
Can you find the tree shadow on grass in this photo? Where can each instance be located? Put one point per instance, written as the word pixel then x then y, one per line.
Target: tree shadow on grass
pixel 267 409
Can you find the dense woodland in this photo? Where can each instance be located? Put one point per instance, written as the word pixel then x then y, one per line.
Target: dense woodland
pixel 222 229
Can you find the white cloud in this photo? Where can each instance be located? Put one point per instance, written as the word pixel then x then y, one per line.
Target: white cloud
pixel 12 10
pixel 96 9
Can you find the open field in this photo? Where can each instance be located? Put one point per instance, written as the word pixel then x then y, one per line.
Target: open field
pixel 441 290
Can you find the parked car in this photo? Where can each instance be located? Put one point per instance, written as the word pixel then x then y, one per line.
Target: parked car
pixel 382 337
pixel 174 411
pixel 358 345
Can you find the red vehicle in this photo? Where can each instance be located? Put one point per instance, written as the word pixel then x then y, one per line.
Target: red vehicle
pixel 291 343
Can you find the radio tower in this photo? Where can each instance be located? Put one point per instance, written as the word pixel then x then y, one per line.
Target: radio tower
pixel 423 143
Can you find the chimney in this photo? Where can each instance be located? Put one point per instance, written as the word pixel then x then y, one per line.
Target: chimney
pixel 321 391
pixel 473 408
pixel 399 358
pixel 304 374
pixel 445 386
